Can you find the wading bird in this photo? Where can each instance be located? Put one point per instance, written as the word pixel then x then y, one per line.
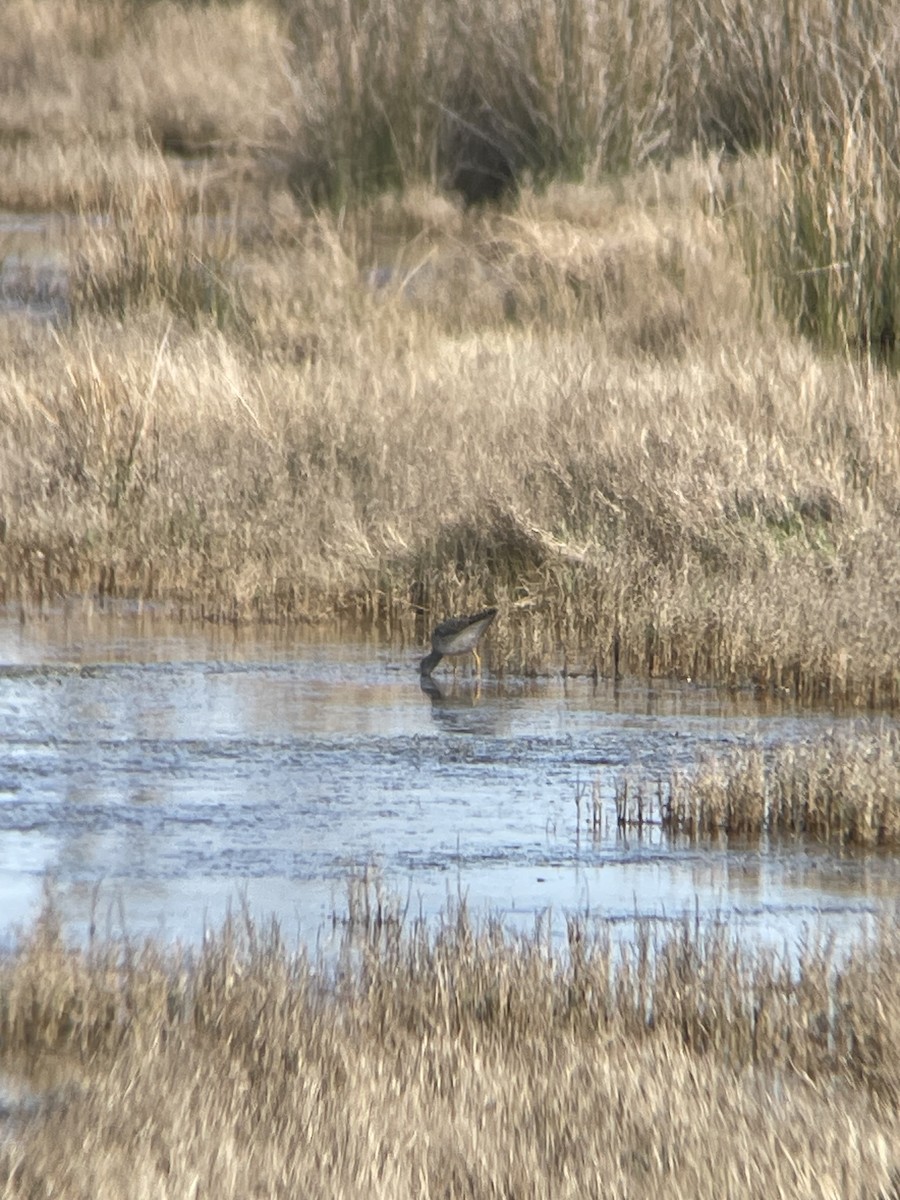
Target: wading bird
pixel 457 635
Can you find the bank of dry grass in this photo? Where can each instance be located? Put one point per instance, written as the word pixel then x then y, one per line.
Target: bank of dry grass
pixel 350 98
pixel 566 412
pixel 93 91
pixel 459 1065
pixel 584 411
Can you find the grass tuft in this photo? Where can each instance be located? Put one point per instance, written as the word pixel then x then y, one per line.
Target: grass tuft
pixel 842 789
pixel 146 250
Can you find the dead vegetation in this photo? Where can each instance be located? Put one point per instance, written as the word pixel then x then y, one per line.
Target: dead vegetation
pixel 842 789
pixel 459 1063
pixel 266 434
pixel 583 409
pixel 298 380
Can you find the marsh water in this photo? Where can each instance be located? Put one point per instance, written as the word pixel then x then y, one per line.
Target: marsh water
pixel 34 282
pixel 158 775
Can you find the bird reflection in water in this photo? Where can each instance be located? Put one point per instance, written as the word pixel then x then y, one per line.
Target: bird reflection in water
pixel 458 706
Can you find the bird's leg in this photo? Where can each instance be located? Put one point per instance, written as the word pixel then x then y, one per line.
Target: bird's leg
pixel 477 661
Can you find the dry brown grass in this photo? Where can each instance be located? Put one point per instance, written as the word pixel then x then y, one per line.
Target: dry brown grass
pixel 582 411
pixel 351 98
pixel 842 789
pixel 566 412
pixel 94 90
pixel 458 1065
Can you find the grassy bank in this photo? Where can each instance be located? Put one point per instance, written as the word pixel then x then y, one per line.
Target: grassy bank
pixel 565 412
pixel 459 1065
pixel 651 415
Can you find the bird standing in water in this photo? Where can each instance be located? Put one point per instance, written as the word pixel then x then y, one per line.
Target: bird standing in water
pixel 457 635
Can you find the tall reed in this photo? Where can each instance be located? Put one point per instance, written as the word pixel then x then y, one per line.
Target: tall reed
pixel 825 241
pixel 148 250
pixel 843 789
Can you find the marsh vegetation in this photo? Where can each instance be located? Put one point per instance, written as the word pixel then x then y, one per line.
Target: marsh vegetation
pixel 644 400
pixel 647 406
pixel 841 789
pixel 459 1064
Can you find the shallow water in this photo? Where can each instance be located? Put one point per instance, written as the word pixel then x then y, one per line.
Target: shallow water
pixel 34 277
pixel 159 774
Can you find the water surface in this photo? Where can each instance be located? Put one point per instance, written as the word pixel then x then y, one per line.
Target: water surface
pixel 159 774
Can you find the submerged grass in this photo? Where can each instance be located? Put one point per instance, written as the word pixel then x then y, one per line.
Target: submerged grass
pixel 461 1063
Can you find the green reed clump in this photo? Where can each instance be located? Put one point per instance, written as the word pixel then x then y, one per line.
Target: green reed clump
pixel 838 789
pixel 462 1060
